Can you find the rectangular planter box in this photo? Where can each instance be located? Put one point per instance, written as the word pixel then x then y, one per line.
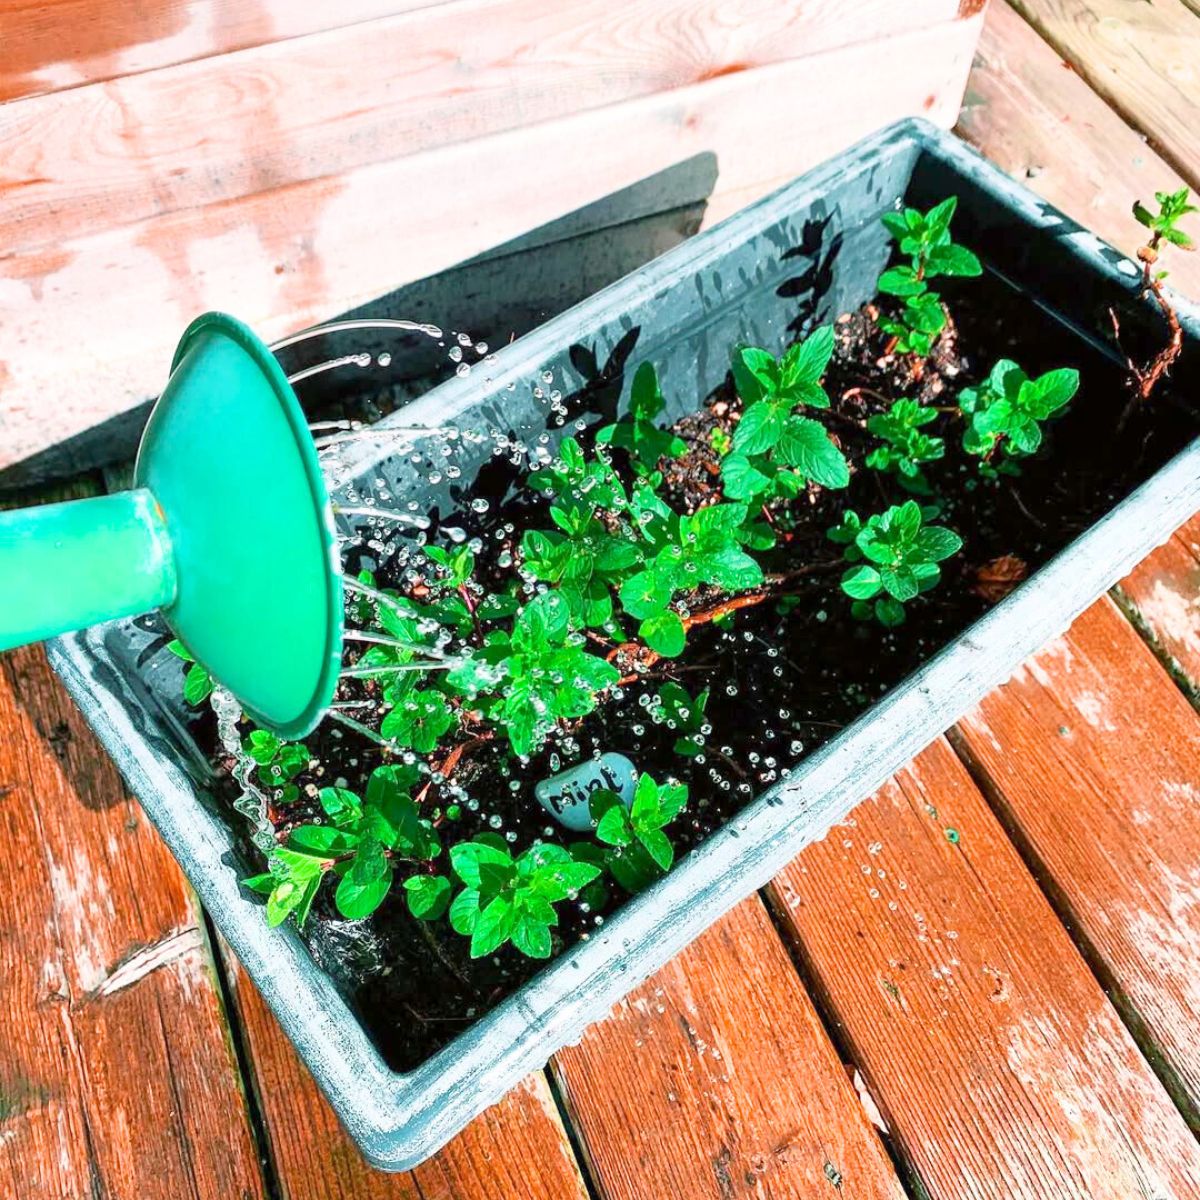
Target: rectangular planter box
pixel 819 243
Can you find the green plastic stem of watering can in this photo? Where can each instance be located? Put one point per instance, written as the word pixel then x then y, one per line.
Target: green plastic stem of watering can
pixel 66 566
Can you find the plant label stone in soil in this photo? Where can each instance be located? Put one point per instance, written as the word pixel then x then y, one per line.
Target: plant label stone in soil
pixel 567 795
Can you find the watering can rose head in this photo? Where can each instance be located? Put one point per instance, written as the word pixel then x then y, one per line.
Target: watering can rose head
pixel 226 451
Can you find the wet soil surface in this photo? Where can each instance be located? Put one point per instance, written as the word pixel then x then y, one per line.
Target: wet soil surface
pixel 790 672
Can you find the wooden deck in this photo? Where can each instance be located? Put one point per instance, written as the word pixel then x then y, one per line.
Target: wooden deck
pixel 1009 1012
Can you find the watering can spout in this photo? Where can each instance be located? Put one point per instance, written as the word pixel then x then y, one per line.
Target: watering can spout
pixel 227 532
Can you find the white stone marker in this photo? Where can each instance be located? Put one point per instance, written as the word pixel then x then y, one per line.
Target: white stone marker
pixel 566 796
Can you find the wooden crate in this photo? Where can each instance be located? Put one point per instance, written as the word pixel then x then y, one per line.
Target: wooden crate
pixel 290 160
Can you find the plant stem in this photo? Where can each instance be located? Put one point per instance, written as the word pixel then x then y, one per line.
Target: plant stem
pixel 1146 379
pixel 453 758
pixel 773 586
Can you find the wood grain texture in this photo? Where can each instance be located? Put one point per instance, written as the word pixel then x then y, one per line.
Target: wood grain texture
pixel 1044 125
pixel 1092 756
pixel 516 1149
pixel 1142 56
pixel 285 258
pixel 212 131
pixel 1000 1067
pixel 716 1079
pixel 116 1074
pixel 1162 596
pixel 54 44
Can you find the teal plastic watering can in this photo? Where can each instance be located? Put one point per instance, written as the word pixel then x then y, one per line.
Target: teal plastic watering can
pixel 227 531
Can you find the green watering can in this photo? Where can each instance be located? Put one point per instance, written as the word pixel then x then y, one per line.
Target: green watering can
pixel 227 531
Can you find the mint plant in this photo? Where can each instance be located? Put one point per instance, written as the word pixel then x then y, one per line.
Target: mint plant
pixel 512 899
pixel 925 239
pixel 906 446
pixel 197 682
pixel 639 851
pixel 1005 414
pixel 901 554
pixel 546 672
pixel 418 717
pixel 679 554
pixel 359 848
pixel 279 762
pixel 638 434
pixel 776 451
pixel 1164 227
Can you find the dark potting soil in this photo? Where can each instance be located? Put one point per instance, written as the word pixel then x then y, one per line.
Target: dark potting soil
pixel 789 673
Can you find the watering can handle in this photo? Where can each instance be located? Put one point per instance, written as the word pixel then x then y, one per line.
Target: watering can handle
pixel 67 566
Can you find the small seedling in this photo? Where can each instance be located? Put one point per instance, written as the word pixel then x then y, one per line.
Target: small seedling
pixel 684 715
pixel 197 682
pixel 906 446
pixel 512 899
pixel 902 555
pixel 645 442
pixel 776 452
pixel 639 849
pixel 925 239
pixel 279 762
pixel 1164 227
pixel 1164 224
pixel 1005 414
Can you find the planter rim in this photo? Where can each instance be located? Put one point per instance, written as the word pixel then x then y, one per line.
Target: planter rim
pixel 399 1119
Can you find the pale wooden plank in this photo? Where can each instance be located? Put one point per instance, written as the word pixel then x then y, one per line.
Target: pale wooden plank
pixel 1142 56
pixel 716 1079
pixel 1092 756
pixel 53 44
pixel 210 132
pixel 1045 126
pixel 1162 596
pixel 515 1150
pixel 282 259
pixel 116 1073
pixel 1000 1067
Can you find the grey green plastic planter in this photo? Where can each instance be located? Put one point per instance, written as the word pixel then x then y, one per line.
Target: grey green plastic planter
pixel 817 242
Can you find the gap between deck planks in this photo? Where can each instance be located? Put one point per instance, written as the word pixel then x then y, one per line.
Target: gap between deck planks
pixel 117 1078
pixel 1092 760
pixel 1161 595
pixel 999 1065
pixel 715 1078
pixel 1142 56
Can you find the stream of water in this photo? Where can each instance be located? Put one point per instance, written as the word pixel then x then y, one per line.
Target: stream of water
pixel 377 510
